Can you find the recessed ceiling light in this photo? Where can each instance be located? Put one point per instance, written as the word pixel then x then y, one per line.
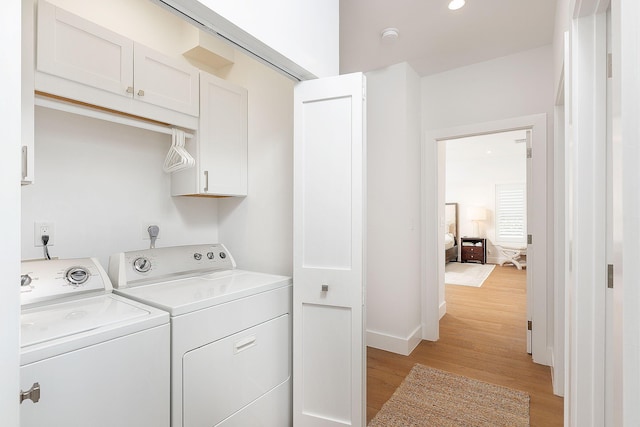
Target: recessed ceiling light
pixel 456 4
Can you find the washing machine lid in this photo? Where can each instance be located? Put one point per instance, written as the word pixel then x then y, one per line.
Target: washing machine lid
pixel 190 294
pixel 54 329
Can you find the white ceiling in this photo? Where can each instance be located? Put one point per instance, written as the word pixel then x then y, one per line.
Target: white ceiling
pixel 434 39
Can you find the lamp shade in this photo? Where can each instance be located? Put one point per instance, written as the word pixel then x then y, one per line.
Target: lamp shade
pixel 477 214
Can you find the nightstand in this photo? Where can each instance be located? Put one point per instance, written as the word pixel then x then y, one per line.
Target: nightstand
pixel 473 249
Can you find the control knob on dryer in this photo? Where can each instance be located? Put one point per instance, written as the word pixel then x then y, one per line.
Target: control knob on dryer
pixel 142 264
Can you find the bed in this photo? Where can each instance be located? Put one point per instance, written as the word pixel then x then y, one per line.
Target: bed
pixel 451 232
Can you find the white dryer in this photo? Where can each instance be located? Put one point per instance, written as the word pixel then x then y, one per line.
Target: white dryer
pixel 89 357
pixel 230 333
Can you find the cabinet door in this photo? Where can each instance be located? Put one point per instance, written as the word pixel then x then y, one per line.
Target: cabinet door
pixel 222 137
pixel 165 82
pixel 28 113
pixel 78 50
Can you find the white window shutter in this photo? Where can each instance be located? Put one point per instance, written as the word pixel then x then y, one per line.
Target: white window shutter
pixel 511 220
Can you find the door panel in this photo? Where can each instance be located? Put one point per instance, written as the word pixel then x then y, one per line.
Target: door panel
pixel 329 369
pixel 530 247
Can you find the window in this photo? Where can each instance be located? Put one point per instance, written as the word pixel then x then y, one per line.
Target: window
pixel 511 213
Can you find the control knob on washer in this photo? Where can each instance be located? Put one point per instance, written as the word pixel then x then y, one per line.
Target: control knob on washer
pixel 77 275
pixel 197 256
pixel 142 264
pixel 25 280
pixel 210 255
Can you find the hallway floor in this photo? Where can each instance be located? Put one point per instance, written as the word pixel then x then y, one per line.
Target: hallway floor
pixel 482 336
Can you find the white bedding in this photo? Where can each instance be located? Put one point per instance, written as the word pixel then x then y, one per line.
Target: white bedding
pixel 449 241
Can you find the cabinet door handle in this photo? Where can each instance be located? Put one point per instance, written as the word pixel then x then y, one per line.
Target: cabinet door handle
pixel 25 162
pixel 140 92
pixel 130 89
pixel 206 181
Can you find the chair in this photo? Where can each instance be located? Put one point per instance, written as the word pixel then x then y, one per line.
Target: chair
pixel 516 256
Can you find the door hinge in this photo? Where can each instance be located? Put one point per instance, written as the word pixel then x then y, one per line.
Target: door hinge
pixel 610 276
pixel 529 239
pixel 529 153
pixel 609 66
pixel 529 325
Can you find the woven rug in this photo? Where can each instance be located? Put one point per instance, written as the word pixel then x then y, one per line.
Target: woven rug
pixel 457 273
pixel 432 398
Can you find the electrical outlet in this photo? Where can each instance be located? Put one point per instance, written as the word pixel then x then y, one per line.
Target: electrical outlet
pixel 42 228
pixel 144 229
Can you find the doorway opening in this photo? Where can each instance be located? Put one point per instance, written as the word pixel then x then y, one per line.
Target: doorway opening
pixel 485 180
pixel 434 156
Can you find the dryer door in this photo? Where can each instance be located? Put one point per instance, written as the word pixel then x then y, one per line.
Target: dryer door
pixel 222 378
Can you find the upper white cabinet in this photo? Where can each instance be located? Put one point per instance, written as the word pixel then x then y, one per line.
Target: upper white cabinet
pixel 220 147
pixel 165 82
pixel 80 60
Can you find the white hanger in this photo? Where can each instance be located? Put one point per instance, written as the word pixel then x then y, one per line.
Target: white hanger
pixel 178 157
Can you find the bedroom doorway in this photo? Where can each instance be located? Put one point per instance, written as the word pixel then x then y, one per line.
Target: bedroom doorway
pixel 485 183
pixel 538 285
pixel 485 220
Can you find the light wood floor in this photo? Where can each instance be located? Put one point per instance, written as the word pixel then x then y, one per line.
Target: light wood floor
pixel 482 336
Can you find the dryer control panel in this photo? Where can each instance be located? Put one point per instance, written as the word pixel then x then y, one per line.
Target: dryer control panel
pixel 44 280
pixel 135 268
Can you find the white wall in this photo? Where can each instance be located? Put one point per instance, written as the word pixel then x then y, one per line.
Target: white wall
pixel 258 229
pixel 472 175
pixel 299 36
pixel 512 86
pixel 100 183
pixel 10 214
pixel 393 228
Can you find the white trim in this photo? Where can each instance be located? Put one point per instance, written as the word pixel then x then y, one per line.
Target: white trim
pixel 394 344
pixel 10 110
pixel 586 166
pixel 432 239
pixel 627 252
pixel 443 309
pixel 558 362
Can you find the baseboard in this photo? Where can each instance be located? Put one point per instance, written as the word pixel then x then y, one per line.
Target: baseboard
pixel 495 260
pixel 557 378
pixel 395 344
pixel 443 309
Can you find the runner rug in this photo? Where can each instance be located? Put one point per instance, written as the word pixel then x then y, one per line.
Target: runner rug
pixel 430 397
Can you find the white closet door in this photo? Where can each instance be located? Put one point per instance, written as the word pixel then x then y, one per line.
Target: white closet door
pixel 329 365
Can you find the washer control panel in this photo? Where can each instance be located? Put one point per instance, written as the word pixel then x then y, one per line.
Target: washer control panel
pixel 145 266
pixel 45 280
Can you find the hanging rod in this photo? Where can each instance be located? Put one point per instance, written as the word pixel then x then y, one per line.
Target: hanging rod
pixel 87 110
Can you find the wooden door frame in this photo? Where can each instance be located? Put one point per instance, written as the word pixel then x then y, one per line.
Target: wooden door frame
pixel 432 211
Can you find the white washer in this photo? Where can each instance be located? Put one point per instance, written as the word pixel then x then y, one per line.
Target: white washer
pixel 230 333
pixel 95 358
